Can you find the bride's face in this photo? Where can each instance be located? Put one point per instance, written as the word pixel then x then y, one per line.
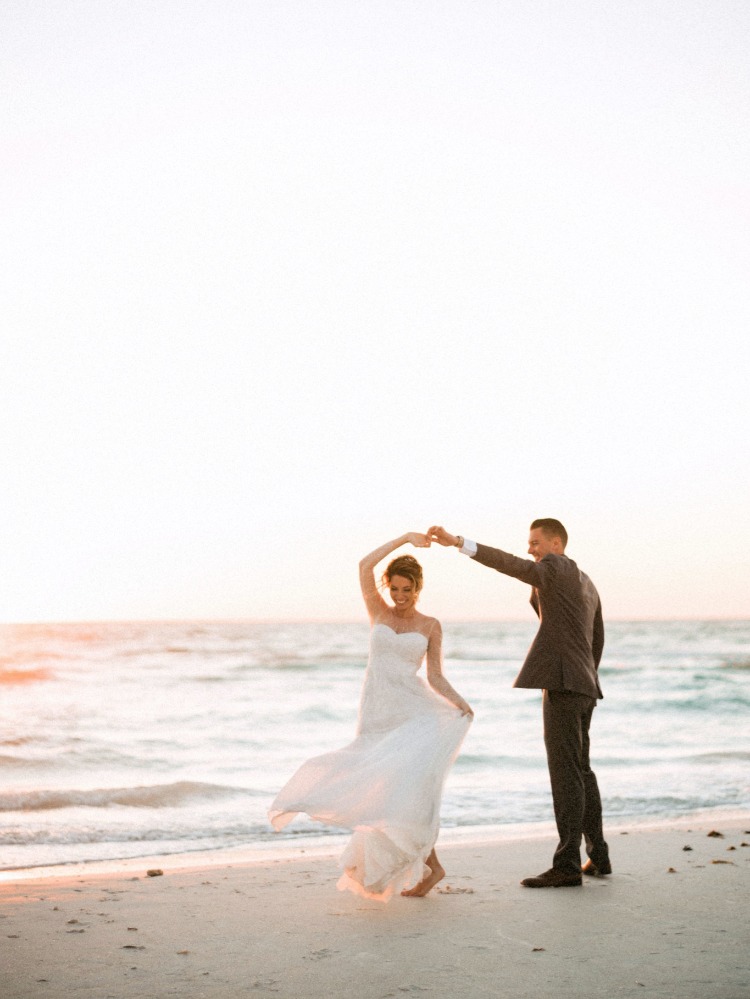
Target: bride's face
pixel 403 594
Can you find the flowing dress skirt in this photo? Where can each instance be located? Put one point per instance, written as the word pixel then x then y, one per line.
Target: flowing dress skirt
pixel 387 784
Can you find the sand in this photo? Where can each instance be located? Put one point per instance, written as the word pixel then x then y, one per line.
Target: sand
pixel 670 922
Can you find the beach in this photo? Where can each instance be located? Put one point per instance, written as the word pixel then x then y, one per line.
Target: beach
pixel 174 768
pixel 670 922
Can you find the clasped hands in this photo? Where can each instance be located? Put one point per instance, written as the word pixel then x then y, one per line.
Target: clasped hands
pixel 435 533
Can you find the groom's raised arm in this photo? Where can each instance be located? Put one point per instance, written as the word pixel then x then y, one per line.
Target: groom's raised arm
pixel 524 569
pixel 533 573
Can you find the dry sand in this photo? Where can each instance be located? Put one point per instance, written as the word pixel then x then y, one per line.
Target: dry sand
pixel 670 922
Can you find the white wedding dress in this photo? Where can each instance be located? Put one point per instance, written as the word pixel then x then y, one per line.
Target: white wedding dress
pixel 386 785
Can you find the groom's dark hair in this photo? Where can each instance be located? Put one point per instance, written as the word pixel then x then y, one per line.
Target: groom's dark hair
pixel 552 529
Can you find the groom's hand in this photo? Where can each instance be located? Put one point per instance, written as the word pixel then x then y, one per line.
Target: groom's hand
pixel 442 537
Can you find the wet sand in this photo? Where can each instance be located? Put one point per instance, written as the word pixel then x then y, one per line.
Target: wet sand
pixel 670 922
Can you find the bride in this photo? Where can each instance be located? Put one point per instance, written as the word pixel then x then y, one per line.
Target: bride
pixel 387 784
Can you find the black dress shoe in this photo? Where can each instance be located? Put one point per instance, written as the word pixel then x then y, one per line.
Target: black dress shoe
pixel 553 878
pixel 597 870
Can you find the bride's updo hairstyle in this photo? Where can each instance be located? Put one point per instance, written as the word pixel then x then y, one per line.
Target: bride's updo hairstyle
pixel 406 566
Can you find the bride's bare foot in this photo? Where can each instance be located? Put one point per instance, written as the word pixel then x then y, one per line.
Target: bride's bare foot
pixel 427 884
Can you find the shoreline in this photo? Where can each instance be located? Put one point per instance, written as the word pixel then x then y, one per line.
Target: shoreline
pixel 671 922
pixel 305 846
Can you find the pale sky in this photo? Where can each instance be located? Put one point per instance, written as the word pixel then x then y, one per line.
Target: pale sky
pixel 283 280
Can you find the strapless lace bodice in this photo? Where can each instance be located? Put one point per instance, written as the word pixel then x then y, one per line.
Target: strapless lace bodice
pixel 393 693
pixel 394 651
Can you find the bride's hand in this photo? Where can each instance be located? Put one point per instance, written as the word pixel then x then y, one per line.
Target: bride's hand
pixel 418 540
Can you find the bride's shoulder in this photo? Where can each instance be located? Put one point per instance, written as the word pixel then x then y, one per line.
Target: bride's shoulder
pixel 430 624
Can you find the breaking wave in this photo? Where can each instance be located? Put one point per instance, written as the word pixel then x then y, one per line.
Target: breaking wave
pixel 153 796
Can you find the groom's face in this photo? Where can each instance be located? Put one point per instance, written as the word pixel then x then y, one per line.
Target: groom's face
pixel 541 544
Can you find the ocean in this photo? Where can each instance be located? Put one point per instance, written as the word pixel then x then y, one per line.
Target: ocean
pixel 122 740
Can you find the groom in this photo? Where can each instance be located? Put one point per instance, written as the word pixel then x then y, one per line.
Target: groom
pixel 563 661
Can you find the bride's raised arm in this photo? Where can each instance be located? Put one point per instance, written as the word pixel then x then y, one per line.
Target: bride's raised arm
pixel 373 600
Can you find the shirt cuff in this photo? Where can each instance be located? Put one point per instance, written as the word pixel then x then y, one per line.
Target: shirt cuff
pixel 469 548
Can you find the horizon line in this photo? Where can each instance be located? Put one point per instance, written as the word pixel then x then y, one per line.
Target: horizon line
pixel 346 620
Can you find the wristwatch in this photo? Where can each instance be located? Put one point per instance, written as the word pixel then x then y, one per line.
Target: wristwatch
pixel 459 541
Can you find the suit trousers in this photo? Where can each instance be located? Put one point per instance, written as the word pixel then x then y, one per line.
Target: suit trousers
pixel 575 792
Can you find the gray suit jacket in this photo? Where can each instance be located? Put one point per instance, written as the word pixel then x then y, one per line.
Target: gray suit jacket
pixel 566 652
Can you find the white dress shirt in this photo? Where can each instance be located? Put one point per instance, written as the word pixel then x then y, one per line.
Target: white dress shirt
pixel 469 548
